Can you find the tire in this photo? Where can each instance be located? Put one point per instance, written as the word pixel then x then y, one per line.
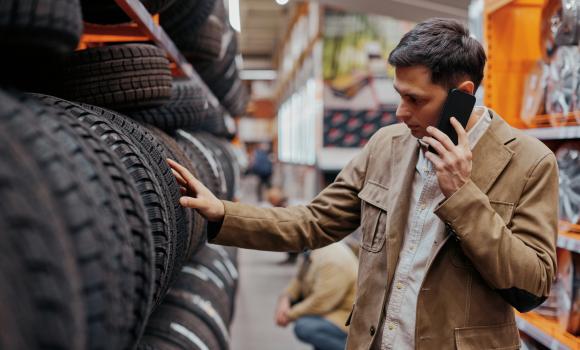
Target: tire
pixel 37 264
pixel 101 243
pixel 108 12
pixel 176 218
pixel 203 308
pixel 40 27
pixel 187 108
pixel 184 17
pixel 197 224
pixel 120 77
pixel 215 260
pixel 127 173
pixel 207 44
pixel 108 181
pixel 175 328
pixel 207 40
pixel 220 75
pixel 237 99
pixel 227 160
pixel 208 169
pixel 199 280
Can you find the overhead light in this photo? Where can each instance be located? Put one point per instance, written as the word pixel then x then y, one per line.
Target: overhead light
pixel 234 9
pixel 261 74
pixel 282 2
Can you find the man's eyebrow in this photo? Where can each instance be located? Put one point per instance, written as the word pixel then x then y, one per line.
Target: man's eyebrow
pixel 410 94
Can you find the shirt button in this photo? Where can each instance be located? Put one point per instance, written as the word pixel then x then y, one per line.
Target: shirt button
pixel 399 286
pixel 391 326
pixel 412 248
pixel 372 330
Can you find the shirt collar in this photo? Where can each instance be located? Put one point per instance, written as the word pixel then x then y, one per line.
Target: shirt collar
pixel 473 135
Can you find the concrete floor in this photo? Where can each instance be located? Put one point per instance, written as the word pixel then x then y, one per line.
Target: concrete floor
pixel 261 281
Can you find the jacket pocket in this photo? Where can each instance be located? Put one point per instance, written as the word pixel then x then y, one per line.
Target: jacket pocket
pixel 503 336
pixel 374 216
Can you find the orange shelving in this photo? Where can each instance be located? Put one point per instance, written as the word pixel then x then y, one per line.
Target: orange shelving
pixel 546 331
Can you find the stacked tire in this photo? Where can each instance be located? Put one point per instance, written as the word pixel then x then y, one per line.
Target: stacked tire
pixel 95 239
pixel 198 310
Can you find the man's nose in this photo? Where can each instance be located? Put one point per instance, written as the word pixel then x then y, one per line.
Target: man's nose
pixel 402 113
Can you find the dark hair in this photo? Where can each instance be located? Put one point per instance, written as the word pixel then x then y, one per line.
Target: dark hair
pixel 446 48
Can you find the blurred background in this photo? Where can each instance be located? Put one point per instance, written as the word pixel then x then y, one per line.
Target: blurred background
pixel 265 101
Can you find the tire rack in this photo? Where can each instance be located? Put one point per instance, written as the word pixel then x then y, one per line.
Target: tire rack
pixel 144 28
pixel 513 48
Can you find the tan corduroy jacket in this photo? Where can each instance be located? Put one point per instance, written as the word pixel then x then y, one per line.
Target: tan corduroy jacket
pixel 502 226
pixel 325 285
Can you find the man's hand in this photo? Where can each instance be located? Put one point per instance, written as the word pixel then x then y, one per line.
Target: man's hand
pixel 282 310
pixel 453 163
pixel 195 195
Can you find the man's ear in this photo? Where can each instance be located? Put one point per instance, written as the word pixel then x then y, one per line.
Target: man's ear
pixel 467 86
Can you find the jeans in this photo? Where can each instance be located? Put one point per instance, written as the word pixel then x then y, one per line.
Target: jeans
pixel 320 333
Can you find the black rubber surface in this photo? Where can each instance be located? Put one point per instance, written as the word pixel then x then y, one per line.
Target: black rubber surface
pixel 105 179
pixel 101 244
pixel 216 260
pixel 176 218
pixel 41 305
pixel 40 27
pixel 175 328
pixel 184 17
pixel 205 309
pixel 204 164
pixel 119 77
pixel 207 42
pixel 183 236
pixel 187 108
pixel 222 154
pixel 199 280
pixel 197 225
pixel 134 188
pixel 108 12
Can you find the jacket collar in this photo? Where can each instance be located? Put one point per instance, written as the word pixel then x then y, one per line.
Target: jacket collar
pixel 491 155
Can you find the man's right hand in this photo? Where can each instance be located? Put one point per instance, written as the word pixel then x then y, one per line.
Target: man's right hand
pixel 282 310
pixel 195 195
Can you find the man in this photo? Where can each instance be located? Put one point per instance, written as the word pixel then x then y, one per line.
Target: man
pixel 451 241
pixel 319 299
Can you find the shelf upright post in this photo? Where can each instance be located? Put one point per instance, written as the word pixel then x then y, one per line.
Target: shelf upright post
pixel 513 47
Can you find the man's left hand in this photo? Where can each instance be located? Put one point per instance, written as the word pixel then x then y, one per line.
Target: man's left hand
pixel 453 162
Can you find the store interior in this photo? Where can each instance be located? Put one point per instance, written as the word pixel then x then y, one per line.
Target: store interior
pixel 264 102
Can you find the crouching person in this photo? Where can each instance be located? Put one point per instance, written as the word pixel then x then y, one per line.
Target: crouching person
pixel 319 298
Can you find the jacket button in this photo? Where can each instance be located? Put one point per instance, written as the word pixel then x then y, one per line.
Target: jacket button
pixel 372 330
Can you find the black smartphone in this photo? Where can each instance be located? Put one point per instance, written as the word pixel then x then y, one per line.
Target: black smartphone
pixel 459 105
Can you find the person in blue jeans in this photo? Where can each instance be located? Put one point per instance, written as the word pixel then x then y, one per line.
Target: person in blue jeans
pixel 320 297
pixel 320 333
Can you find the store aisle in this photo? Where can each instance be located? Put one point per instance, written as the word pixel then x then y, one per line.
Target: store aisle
pixel 261 281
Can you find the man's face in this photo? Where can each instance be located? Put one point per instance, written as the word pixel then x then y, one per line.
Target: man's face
pixel 421 100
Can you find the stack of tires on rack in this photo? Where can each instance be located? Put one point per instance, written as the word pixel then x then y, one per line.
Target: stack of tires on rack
pixel 96 251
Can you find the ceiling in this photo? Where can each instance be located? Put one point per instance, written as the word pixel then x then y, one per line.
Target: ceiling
pixel 264 21
pixel 263 24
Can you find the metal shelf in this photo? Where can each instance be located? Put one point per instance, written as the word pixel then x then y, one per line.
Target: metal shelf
pixel 145 28
pixel 546 332
pixel 561 133
pixel 569 241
